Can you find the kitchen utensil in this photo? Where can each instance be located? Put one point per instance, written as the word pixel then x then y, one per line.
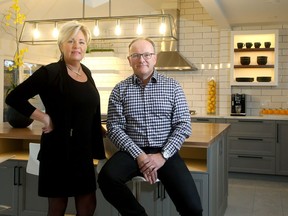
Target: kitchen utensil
pixel 245 60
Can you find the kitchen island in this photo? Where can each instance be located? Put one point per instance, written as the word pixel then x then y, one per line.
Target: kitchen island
pixel 205 154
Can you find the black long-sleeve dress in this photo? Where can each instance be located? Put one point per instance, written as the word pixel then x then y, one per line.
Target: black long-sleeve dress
pixel 66 154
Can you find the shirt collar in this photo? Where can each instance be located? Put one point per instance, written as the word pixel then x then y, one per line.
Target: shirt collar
pixel 153 79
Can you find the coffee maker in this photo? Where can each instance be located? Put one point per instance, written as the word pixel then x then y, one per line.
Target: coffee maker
pixel 238 105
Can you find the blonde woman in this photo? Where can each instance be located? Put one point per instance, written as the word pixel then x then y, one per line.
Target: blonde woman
pixel 71 136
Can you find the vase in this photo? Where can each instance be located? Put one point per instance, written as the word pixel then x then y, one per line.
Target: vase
pixel 16 119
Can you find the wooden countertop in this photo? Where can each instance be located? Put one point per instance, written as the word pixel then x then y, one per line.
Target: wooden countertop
pixel 203 134
pixel 33 132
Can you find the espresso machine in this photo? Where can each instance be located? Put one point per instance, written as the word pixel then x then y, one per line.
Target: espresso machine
pixel 238 105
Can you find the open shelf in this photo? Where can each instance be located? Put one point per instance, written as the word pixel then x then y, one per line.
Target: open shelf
pixel 253 49
pixel 253 69
pixel 253 66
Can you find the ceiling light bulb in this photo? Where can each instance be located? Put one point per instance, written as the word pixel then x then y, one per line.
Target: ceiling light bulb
pixel 55 32
pixel 96 30
pixel 139 27
pixel 162 28
pixel 36 33
pixel 117 28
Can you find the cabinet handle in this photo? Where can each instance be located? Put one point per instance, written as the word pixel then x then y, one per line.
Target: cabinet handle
pixel 203 120
pixel 250 121
pixel 158 190
pixel 164 192
pixel 15 175
pixel 19 175
pixel 277 138
pixel 253 139
pixel 254 157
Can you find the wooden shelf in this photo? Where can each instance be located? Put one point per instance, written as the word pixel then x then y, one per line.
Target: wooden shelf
pixel 254 50
pixel 253 66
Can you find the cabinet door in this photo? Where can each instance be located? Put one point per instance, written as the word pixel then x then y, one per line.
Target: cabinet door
pixel 201 181
pixel 8 187
pixel 30 204
pixel 282 148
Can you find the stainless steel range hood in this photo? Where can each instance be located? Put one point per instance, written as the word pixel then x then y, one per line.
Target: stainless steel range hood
pixel 169 58
pixel 173 61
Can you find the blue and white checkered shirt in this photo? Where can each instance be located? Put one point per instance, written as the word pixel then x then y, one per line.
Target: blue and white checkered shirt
pixel 156 115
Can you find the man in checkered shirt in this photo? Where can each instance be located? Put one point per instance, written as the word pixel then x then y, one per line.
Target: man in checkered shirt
pixel 148 120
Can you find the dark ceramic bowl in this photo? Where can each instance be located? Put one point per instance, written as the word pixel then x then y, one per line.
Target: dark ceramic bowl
pixel 244 79
pixel 245 60
pixel 262 60
pixel 264 79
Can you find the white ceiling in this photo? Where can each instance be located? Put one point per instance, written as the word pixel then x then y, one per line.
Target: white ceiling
pixel 229 13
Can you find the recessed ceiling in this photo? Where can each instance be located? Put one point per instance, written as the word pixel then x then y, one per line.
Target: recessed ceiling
pixel 229 13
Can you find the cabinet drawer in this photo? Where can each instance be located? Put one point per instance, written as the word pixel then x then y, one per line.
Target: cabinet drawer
pixel 249 164
pixel 203 119
pixel 252 146
pixel 252 128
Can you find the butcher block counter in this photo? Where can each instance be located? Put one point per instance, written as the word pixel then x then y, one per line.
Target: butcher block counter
pixel 205 153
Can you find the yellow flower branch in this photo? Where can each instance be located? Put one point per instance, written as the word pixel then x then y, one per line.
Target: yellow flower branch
pixel 12 18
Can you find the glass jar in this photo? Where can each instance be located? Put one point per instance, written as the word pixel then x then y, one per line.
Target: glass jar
pixel 211 96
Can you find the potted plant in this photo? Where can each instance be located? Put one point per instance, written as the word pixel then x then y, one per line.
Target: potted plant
pixel 11 21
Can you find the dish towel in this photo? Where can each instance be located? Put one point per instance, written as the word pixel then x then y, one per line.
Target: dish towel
pixel 33 163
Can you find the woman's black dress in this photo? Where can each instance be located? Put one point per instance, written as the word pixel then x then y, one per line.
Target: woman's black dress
pixel 74 174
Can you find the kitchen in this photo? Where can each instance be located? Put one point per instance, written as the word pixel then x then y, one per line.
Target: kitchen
pixel 204 39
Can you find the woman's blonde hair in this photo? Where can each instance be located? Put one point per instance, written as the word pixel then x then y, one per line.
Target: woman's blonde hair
pixel 70 29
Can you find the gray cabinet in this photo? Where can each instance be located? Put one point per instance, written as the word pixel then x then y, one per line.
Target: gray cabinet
pixel 251 146
pixel 282 148
pixel 19 190
pixel 156 201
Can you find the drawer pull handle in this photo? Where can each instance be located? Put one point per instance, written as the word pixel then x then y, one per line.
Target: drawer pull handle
pixel 254 157
pixel 251 121
pixel 202 120
pixel 253 139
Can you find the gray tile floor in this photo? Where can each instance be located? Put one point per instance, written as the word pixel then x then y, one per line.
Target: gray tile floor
pixel 257 195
